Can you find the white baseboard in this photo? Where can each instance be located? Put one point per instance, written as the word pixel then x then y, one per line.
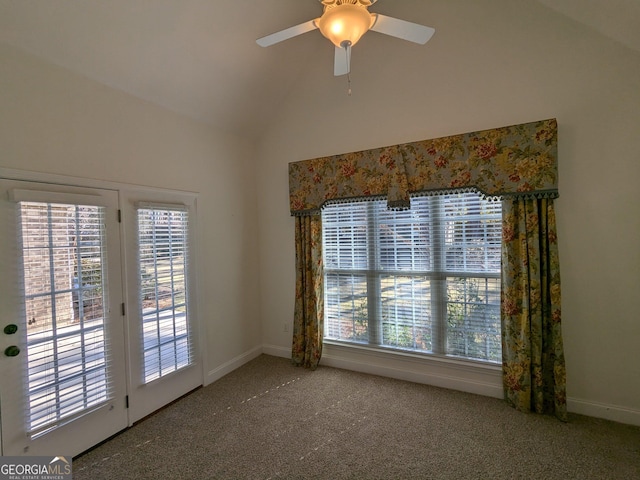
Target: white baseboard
pixel 228 367
pixel 614 413
pixel 277 351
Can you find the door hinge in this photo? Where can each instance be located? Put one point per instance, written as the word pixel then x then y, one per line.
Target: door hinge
pixel 119 216
pixel 123 311
pixel 126 401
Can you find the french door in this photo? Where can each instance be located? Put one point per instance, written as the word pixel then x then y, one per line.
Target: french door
pixel 164 360
pixel 98 325
pixel 62 358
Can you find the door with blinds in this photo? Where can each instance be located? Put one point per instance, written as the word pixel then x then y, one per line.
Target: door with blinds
pixel 63 371
pixel 164 358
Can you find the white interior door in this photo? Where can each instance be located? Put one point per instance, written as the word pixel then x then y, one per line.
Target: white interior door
pixel 62 353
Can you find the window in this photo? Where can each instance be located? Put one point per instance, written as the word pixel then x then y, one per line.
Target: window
pixel 424 280
pixel 63 257
pixel 163 254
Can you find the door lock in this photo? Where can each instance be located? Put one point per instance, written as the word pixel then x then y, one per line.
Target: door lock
pixel 11 329
pixel 11 351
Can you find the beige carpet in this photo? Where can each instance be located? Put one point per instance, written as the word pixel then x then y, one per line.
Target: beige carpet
pixel 270 420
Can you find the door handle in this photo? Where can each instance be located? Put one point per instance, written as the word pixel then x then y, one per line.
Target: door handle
pixel 11 351
pixel 11 329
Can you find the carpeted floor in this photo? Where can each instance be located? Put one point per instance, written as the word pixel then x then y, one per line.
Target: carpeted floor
pixel 270 420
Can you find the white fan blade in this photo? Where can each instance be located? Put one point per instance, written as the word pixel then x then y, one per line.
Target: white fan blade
pixel 287 34
pixel 395 27
pixel 342 61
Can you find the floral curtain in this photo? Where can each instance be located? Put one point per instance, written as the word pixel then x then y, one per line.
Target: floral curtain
pixel 309 302
pixel 517 164
pixel 519 160
pixel 532 352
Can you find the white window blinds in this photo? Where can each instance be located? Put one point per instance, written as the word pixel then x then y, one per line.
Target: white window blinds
pixel 425 279
pixel 162 267
pixel 64 260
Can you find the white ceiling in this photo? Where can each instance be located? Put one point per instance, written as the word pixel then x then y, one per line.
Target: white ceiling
pixel 199 57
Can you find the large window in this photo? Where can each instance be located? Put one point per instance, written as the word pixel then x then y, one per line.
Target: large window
pixel 425 280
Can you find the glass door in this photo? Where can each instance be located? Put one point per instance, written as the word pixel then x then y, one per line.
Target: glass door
pixel 164 355
pixel 62 358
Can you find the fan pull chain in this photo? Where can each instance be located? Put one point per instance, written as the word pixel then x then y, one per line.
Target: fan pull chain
pixel 349 72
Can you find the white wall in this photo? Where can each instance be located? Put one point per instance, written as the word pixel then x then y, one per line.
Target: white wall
pixel 490 64
pixel 54 121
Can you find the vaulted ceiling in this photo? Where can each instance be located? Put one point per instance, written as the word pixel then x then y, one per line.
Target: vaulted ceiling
pixel 199 57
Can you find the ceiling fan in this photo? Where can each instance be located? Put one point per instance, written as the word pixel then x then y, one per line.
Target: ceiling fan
pixel 344 22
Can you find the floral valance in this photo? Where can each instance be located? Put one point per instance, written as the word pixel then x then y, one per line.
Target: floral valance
pixel 518 160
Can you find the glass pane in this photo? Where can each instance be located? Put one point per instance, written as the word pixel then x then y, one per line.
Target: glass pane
pixel 162 255
pixel 346 308
pixel 473 233
pixel 345 240
pixel 406 312
pixel 404 237
pixel 64 284
pixel 473 318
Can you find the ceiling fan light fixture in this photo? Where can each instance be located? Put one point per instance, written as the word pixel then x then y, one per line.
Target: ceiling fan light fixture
pixel 345 24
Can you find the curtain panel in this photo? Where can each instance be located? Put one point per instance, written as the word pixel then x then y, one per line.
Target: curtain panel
pixel 532 352
pixel 516 164
pixel 308 315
